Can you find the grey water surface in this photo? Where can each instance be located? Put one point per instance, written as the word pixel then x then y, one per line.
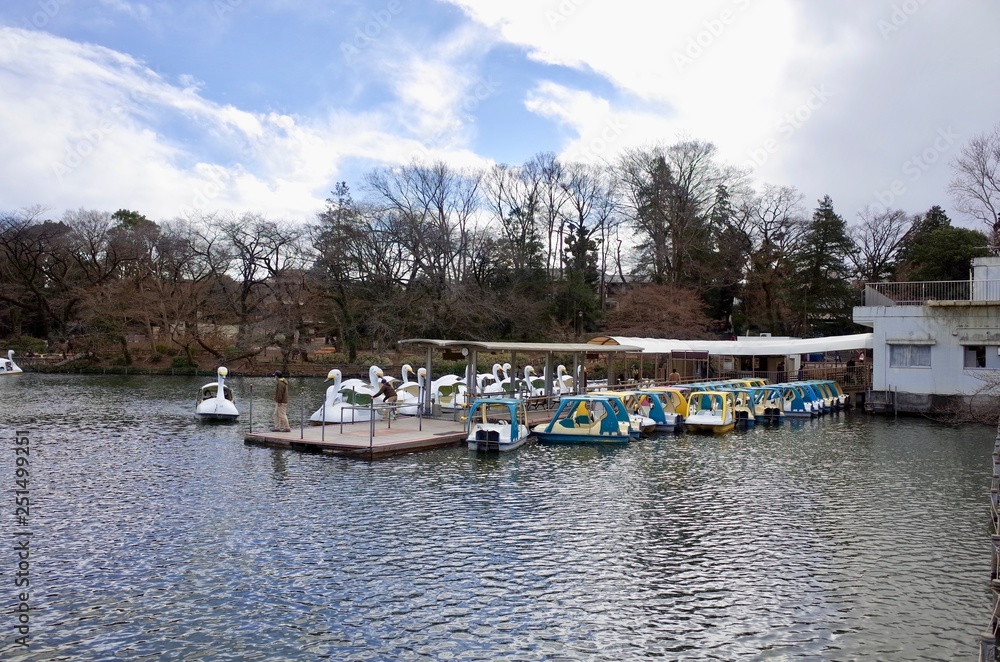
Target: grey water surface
pixel 156 536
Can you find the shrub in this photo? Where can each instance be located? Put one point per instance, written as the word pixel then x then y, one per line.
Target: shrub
pixel 336 358
pixel 183 362
pixel 24 344
pixel 371 359
pixel 166 350
pixel 449 367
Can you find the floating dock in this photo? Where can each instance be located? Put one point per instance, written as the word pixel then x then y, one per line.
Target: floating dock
pixel 362 440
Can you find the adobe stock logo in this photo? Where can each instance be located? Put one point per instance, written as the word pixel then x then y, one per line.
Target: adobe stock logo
pixel 915 166
pixel 597 147
pixel 481 90
pixel 47 10
pixel 86 143
pixel 901 14
pixel 378 21
pixel 790 123
pixel 713 28
pixel 562 12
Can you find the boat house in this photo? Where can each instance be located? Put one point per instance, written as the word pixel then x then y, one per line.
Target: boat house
pixel 470 349
pixel 936 345
pixel 774 358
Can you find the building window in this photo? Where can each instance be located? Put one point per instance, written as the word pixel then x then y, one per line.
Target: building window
pixel 975 356
pixel 909 356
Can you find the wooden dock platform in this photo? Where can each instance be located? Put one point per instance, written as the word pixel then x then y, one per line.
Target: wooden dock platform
pixel 406 434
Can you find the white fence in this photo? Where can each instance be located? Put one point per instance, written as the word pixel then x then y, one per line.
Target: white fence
pixel 919 293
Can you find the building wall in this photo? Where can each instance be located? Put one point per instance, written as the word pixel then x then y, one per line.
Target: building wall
pixel 950 329
pixel 986 268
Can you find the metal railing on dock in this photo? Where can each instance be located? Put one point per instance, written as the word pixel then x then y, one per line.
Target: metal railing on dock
pixel 988 639
pixel 371 408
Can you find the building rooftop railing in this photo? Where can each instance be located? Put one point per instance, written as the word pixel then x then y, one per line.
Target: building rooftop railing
pixel 919 293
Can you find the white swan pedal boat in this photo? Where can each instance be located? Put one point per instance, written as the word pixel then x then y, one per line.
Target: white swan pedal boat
pixel 7 366
pixel 215 400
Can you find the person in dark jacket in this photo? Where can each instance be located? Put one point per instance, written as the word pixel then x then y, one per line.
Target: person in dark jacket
pixel 280 403
pixel 390 396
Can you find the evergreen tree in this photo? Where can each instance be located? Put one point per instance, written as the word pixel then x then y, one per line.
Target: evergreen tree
pixel 127 218
pixel 724 263
pixel 338 268
pixel 522 260
pixel 923 225
pixel 820 293
pixel 577 292
pixel 944 253
pixel 581 253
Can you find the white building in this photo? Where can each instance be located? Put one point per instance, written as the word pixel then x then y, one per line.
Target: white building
pixel 935 345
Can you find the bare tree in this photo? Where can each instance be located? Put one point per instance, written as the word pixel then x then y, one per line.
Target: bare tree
pixel 93 253
pixel 589 207
pixel 247 254
pixel 669 193
pixel 877 240
pixel 514 197
pixel 976 183
pixel 435 204
pixel 429 212
pixel 34 265
pixel 49 268
pixel 553 198
pixel 180 285
pixel 772 221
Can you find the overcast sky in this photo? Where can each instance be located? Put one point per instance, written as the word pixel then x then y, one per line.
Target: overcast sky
pixel 262 105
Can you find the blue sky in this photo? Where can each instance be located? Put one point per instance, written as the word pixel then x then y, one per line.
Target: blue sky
pixel 174 108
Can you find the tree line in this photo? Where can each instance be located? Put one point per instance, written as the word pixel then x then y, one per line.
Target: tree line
pixel 665 241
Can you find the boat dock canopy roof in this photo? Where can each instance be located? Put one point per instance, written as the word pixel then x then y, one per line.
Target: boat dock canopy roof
pixel 742 346
pixel 556 347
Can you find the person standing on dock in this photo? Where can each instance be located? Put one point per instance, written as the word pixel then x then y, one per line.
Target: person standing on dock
pixel 390 396
pixel 675 377
pixel 280 403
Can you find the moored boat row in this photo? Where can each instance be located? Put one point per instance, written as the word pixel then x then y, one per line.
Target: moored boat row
pixel 498 421
pixel 755 400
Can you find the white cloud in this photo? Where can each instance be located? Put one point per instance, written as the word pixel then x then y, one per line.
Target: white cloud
pixel 137 10
pixel 85 133
pixel 821 96
pixel 829 97
pixel 679 68
pixel 437 85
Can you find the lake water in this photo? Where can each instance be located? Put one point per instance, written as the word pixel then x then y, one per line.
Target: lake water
pixel 848 537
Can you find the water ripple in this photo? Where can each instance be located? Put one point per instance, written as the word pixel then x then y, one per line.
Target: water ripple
pixel 839 539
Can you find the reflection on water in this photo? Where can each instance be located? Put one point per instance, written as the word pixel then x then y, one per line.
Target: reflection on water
pixel 847 537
